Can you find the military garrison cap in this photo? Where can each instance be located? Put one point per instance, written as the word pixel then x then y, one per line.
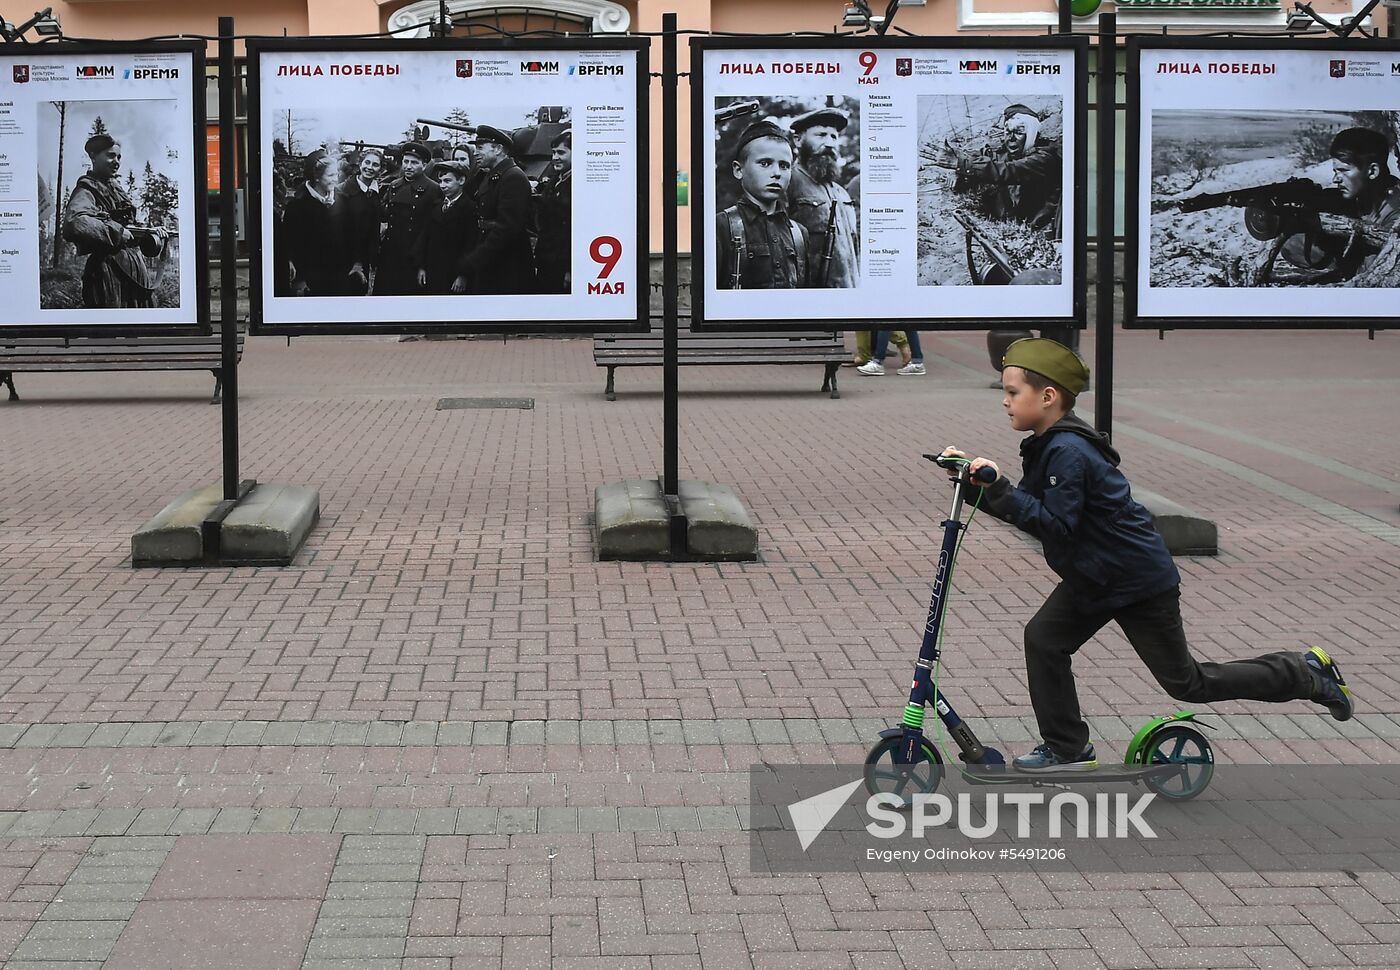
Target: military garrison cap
pixel 757 130
pixel 825 117
pixel 98 143
pixel 1051 359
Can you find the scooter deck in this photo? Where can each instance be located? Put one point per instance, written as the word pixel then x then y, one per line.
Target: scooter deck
pixel 1007 775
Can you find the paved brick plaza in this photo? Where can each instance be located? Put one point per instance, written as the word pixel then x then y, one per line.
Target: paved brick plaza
pixel 345 764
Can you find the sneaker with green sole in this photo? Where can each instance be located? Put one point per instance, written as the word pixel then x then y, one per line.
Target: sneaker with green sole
pixel 1329 686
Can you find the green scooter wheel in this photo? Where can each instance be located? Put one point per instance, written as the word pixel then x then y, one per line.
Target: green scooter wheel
pixel 1179 744
pixel 884 776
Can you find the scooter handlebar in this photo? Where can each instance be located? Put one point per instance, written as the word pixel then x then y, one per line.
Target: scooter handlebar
pixel 984 474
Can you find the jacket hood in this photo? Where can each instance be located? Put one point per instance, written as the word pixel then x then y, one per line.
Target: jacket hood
pixel 1072 423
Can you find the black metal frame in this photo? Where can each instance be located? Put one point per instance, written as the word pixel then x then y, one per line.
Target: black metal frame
pixel 1132 217
pixel 202 325
pixel 260 251
pixel 1072 248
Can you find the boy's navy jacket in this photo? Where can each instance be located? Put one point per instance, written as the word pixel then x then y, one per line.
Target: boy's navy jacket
pixel 1077 503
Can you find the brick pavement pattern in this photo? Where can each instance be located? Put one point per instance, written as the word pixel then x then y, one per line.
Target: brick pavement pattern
pixel 494 751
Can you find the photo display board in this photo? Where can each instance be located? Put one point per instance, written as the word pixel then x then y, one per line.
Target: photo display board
pixel 894 180
pixel 1262 183
pixel 102 200
pixel 462 187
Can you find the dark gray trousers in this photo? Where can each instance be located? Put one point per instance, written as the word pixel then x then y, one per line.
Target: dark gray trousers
pixel 1153 627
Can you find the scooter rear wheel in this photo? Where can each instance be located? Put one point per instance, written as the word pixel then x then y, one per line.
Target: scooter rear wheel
pixel 883 775
pixel 1179 744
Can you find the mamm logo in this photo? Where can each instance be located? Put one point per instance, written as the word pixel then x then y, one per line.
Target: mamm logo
pixel 977 67
pixel 464 68
pixel 539 67
pixel 96 70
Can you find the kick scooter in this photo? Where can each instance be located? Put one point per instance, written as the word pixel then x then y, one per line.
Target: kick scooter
pixel 1168 754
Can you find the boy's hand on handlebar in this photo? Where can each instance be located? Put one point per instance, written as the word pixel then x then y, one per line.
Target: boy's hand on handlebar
pixel 951 452
pixel 977 465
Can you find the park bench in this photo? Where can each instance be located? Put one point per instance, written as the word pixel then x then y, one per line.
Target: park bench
pixel 52 354
pixel 825 347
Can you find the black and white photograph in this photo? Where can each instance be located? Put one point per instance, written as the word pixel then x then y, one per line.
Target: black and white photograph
pixel 102 195
pixel 991 177
pixel 787 191
pixel 445 201
pixel 109 200
pixel 1274 198
pixel 860 175
pixel 404 187
pixel 1263 183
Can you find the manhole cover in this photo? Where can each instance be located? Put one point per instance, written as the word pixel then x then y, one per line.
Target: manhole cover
pixel 485 403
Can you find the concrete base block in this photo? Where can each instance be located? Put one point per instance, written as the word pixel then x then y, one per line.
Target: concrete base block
pixel 631 521
pixel 1185 533
pixel 718 526
pixel 269 526
pixel 172 536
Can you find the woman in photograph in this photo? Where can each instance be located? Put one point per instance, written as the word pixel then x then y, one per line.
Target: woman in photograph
pixel 315 241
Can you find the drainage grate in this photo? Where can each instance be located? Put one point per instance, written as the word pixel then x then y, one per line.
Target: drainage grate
pixel 485 403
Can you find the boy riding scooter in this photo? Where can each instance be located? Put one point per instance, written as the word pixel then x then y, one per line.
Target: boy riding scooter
pixel 1113 565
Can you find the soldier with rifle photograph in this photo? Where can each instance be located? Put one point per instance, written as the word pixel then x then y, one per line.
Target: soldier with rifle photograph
pixel 759 246
pixel 1365 193
pixel 100 220
pixel 406 208
pixel 821 203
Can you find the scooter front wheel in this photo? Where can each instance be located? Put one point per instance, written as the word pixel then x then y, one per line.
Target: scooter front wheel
pixel 1186 747
pixel 885 775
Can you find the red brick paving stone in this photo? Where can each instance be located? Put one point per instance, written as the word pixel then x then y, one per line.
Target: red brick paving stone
pixel 246 867
pixel 215 934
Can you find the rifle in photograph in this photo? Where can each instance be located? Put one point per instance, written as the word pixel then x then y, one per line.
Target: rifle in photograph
pixel 829 250
pixel 1006 269
pixel 1270 210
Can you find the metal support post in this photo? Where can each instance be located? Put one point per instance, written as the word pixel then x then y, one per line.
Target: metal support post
pixel 670 286
pixel 1105 117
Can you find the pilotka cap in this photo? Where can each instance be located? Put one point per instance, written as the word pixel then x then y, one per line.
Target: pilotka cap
pixel 1051 359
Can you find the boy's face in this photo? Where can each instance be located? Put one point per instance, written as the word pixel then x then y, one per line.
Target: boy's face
pixel 1028 408
pixel 765 169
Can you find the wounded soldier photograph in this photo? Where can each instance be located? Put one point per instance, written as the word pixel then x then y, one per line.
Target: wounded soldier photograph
pixel 114 211
pixel 380 205
pixel 1263 198
pixel 991 182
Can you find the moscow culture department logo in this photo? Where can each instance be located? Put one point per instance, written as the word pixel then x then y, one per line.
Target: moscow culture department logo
pixel 464 68
pixel 21 74
pixel 904 66
pixel 1338 68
